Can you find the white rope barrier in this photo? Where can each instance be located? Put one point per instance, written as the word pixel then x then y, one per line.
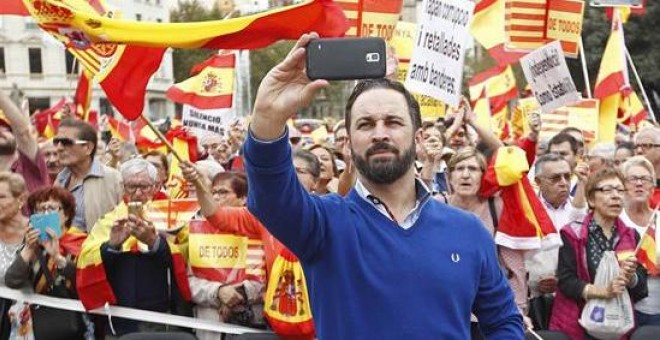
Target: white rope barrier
pixel 127 313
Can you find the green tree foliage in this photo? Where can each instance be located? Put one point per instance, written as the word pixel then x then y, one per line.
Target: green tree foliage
pixel 185 59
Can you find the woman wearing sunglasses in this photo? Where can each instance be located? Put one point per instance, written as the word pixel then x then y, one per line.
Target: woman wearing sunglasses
pixel 584 244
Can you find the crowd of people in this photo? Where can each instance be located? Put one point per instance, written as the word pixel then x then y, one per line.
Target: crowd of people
pixel 388 217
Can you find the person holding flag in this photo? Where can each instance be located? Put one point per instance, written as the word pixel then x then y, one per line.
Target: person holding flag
pixel 638 173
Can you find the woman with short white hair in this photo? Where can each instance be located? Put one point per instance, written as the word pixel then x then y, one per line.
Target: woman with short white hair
pixel 639 175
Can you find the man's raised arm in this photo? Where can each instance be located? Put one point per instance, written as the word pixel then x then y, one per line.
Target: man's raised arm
pixel 275 195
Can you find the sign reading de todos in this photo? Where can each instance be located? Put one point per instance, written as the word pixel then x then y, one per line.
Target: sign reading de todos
pixel 548 75
pixel 436 66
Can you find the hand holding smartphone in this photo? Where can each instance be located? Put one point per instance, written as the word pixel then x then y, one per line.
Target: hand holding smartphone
pixel 346 58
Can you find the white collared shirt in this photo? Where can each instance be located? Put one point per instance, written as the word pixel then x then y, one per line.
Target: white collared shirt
pixel 422 196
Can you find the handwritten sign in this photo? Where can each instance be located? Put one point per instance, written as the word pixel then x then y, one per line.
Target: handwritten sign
pixel 548 75
pixel 436 66
pixel 205 121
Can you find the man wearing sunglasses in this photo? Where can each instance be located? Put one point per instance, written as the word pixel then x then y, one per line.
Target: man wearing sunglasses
pixel 647 143
pixel 96 187
pixel 19 151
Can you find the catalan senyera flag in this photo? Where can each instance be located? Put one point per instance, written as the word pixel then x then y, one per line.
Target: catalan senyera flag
pixel 80 24
pixel 211 87
pixel 488 29
pixel 524 222
pixel 647 251
pixel 120 130
pixel 13 7
pixel 525 24
pixel 612 81
pixel 371 18
pixel 500 83
pixel 92 284
pixel 172 214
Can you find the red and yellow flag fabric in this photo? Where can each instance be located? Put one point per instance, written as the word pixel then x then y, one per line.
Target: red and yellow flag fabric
pixel 83 96
pixel 186 146
pixel 488 29
pixel 71 241
pixel 79 23
pixel 172 214
pixel 524 222
pixel 525 24
pixel 631 109
pixel 47 121
pixel 92 284
pixel 120 130
pixel 211 87
pixel 499 83
pixel 13 7
pixel 647 251
pixel 371 18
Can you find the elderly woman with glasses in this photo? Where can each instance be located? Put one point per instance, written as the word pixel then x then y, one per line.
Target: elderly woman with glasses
pixel 52 260
pixel 583 246
pixel 638 173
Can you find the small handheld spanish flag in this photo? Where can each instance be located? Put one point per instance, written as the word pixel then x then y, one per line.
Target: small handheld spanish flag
pixel 646 250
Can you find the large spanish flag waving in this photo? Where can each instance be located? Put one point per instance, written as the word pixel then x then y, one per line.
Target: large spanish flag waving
pixel 524 223
pixel 211 86
pixel 80 25
pixel 92 284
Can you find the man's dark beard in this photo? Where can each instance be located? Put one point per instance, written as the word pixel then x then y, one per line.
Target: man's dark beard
pixel 383 171
pixel 7 147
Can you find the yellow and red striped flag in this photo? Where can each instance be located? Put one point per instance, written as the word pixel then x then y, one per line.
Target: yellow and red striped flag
pixel 171 214
pixel 646 252
pixel 371 18
pixel 564 23
pixel 211 87
pixel 92 284
pixel 488 29
pixel 525 25
pixel 83 96
pixel 120 130
pixel 631 109
pixel 500 84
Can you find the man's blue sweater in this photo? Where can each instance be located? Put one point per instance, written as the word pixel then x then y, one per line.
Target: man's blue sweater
pixel 367 277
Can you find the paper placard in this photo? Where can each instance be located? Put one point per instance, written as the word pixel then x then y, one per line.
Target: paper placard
pixel 207 121
pixel 548 75
pixel 436 66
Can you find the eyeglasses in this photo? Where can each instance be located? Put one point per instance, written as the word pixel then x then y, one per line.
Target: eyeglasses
pixel 68 141
pixel 133 188
pixel 47 209
pixel 608 190
pixel 646 146
pixel 220 192
pixel 639 179
pixel 558 177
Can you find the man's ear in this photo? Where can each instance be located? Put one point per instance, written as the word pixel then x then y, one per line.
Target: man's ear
pixel 419 136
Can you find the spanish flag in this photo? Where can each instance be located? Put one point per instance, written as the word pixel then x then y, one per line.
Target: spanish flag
pixel 92 284
pixel 83 25
pixel 120 130
pixel 524 223
pixel 488 29
pixel 500 84
pixel 211 86
pixel 13 7
pixel 371 18
pixel 185 145
pixel 83 95
pixel 48 120
pixel 631 109
pixel 646 251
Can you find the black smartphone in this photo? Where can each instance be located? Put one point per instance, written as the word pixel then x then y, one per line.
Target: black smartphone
pixel 346 58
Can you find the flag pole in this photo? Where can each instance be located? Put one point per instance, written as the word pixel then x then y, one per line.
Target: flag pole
pixel 162 138
pixel 641 86
pixel 585 72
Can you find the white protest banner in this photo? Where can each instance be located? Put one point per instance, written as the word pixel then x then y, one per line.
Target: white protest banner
pixel 548 75
pixel 436 66
pixel 209 121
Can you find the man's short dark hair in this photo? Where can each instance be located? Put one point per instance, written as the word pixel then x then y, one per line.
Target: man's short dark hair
pixel 86 131
pixel 382 83
pixel 547 158
pixel 313 164
pixel 561 138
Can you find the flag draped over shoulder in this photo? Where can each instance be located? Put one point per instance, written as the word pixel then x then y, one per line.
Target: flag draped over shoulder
pixel 488 29
pixel 210 87
pixel 92 284
pixel 524 223
pixel 81 25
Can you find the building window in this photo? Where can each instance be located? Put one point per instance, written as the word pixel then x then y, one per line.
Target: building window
pixel 159 20
pixel 71 63
pixel 138 17
pixel 3 70
pixel 35 61
pixel 38 103
pixel 30 24
pixel 105 108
